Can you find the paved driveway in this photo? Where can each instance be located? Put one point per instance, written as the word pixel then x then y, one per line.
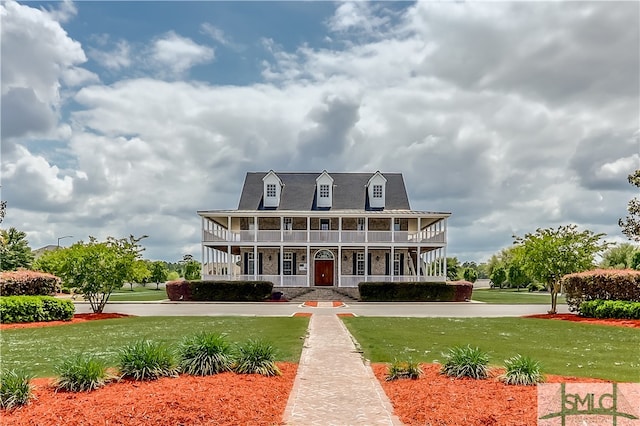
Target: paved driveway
pixel 442 309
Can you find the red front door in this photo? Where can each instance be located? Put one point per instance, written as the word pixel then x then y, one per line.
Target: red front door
pixel 324 272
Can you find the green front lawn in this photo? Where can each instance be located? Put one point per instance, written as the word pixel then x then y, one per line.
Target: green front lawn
pixel 139 294
pixel 562 347
pixel 513 297
pixel 38 349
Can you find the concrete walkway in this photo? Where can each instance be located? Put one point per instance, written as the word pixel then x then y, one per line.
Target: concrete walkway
pixel 333 385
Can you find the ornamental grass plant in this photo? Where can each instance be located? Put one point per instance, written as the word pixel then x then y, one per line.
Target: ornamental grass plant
pixel 80 373
pixel 522 370
pixel 15 388
pixel 256 357
pixel 204 354
pixel 465 361
pixel 404 370
pixel 147 360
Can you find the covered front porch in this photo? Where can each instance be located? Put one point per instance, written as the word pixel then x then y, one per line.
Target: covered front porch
pixel 336 266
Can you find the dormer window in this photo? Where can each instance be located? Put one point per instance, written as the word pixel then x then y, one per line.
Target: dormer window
pixel 376 190
pixel 271 190
pixel 324 191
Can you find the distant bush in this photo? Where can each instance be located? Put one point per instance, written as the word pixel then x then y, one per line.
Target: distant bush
pixel 204 354
pixel 522 370
pixel 227 291
pixel 146 360
pixel 15 388
pixel 17 309
pixel 601 284
pixel 404 370
pixel 28 283
pixel 466 362
pixel 80 373
pixel 257 357
pixel 458 291
pixel 610 309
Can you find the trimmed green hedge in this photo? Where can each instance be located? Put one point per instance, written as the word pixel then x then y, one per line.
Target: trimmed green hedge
pixel 601 284
pixel 220 291
pixel 14 309
pixel 415 291
pixel 610 309
pixel 28 283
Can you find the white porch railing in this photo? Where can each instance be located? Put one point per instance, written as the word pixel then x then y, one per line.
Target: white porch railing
pixel 315 236
pixel 301 280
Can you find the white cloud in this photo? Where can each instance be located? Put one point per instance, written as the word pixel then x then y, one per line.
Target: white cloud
pixel 115 59
pixel 444 97
pixel 178 54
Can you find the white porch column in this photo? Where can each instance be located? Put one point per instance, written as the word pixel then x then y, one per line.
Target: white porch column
pixel 392 262
pixel 366 229
pixel 339 229
pixel 445 249
pixel 308 260
pixel 282 230
pixel 393 229
pixel 366 262
pixel 339 265
pixel 256 228
pixel 228 228
pixel 419 262
pixel 281 261
pixel 255 262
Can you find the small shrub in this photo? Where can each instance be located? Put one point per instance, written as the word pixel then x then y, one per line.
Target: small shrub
pixel 204 354
pixel 522 370
pixel 610 309
pixel 80 373
pixel 15 389
pixel 17 309
pixel 466 362
pixel 146 360
pixel 404 370
pixel 28 283
pixel 256 357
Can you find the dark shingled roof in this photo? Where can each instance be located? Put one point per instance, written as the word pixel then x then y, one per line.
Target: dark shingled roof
pixel 299 191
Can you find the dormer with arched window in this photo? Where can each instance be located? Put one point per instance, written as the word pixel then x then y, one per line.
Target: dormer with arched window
pixel 324 190
pixel 272 190
pixel 377 191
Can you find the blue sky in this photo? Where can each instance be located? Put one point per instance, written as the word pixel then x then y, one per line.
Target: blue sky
pixel 126 118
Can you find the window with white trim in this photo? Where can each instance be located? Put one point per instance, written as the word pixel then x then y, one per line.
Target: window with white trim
pixel 250 263
pixel 360 263
pixel 396 263
pixel 377 191
pixel 287 263
pixel 324 191
pixel 396 224
pixel 288 223
pixel 361 224
pixel 271 190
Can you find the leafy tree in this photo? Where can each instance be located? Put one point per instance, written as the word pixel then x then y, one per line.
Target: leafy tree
pixel 190 268
pixel 95 268
pixel 549 254
pixel 140 273
pixel 3 209
pixel 498 276
pixel 516 276
pixel 453 267
pixel 470 275
pixel 159 272
pixel 619 257
pixel 635 261
pixel 14 250
pixel 631 224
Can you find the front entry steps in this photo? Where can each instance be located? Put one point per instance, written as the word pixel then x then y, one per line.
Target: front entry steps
pixel 324 293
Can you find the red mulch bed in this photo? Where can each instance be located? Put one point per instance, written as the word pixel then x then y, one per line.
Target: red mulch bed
pixel 578 318
pixel 302 314
pixel 222 399
pixel 435 399
pixel 311 303
pixel 76 319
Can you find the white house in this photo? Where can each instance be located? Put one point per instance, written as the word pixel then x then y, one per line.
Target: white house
pixel 323 229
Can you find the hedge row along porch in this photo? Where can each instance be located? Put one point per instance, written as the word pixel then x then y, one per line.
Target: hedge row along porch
pixel 310 229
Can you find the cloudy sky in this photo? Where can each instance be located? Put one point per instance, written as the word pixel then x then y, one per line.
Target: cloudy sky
pixel 126 118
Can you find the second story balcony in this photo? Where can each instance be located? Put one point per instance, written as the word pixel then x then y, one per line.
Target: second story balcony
pixel 320 236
